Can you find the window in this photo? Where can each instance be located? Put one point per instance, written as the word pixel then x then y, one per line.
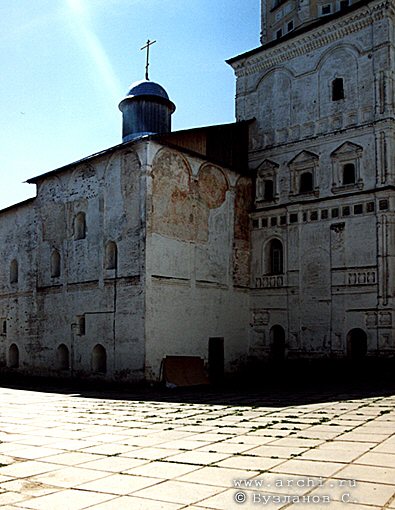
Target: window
pixel 290 26
pixel 324 214
pixel 344 4
pixel 279 33
pixel 4 327
pixel 306 182
pixel 383 205
pixel 273 221
pixel 276 257
pixel 337 89
pixel 314 216
pixel 347 168
pixel 370 207
pixel 14 271
pixel 326 9
pixel 349 174
pixel 81 325
pixel 304 216
pixel 255 223
pixel 264 222
pixel 266 181
pixel 111 256
pixel 335 213
pixel 63 357
pixel 269 190
pixel 13 356
pixel 293 218
pixel 283 220
pixel 304 175
pixel 80 226
pixel 346 211
pixel 358 209
pixel 55 264
pixel 99 359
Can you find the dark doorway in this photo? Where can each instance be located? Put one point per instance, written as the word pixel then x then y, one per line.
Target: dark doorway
pixel 216 359
pixel 357 344
pixel 277 343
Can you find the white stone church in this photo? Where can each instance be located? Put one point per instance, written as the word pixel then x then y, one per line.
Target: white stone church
pixel 271 238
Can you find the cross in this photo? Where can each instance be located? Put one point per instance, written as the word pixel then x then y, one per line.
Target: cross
pixel 149 43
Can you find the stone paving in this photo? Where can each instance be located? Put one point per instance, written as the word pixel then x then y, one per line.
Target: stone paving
pixel 69 451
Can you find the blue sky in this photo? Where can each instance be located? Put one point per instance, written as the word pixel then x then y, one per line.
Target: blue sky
pixel 65 65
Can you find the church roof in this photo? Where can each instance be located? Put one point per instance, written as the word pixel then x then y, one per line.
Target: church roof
pixel 147 88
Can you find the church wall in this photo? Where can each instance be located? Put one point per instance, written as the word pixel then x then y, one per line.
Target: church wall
pixel 86 285
pixel 17 288
pixel 197 260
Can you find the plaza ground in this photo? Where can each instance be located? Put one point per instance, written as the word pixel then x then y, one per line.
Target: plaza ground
pixel 297 448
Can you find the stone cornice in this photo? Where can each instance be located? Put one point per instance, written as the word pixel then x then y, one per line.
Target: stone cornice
pixel 314 39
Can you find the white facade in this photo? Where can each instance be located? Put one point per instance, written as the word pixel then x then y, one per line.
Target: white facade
pixel 323 148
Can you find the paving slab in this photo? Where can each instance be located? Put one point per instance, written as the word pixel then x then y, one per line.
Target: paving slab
pixel 195 449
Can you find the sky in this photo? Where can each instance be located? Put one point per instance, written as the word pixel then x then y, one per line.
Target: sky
pixel 66 64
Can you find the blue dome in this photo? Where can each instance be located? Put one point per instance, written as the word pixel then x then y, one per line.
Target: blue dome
pixel 147 88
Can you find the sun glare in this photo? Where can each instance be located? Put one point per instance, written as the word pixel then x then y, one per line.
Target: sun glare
pixel 91 44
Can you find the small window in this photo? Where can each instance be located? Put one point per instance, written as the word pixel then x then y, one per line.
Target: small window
pixel 349 174
pixel 255 223
pixel 269 190
pixel 326 9
pixel 13 356
pixel 293 218
pixel 335 213
pixel 273 221
pixel 99 359
pixel 290 26
pixel 344 4
pixel 305 216
pixel 346 211
pixel 383 205
pixel 337 89
pixel 279 33
pixel 55 264
pixel 306 182
pixel 283 220
pixel 314 216
pixel 276 257
pixel 370 207
pixel 111 256
pixel 358 209
pixel 80 226
pixel 81 325
pixel 264 222
pixel 63 357
pixel 4 327
pixel 14 271
pixel 324 214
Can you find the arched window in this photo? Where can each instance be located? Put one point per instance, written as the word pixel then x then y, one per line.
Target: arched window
pixel 14 271
pixel 277 343
pixel 337 89
pixel 349 173
pixel 13 356
pixel 99 359
pixel 306 182
pixel 357 344
pixel 55 264
pixel 63 357
pixel 111 255
pixel 80 226
pixel 276 258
